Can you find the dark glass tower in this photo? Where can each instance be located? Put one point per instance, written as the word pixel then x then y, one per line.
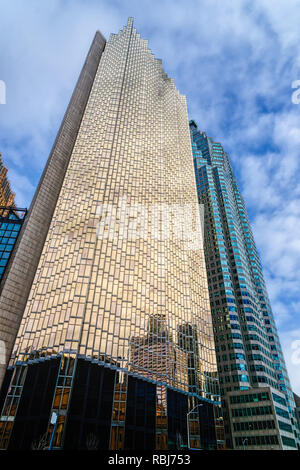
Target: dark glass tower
pixel 255 389
pixel 11 221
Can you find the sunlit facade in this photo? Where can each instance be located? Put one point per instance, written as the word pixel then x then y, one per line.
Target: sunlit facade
pixel 116 337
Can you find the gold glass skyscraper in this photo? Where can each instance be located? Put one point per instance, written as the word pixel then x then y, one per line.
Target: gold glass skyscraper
pixel 118 312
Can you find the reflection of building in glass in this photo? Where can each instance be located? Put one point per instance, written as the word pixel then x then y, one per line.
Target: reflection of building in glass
pixel 11 220
pixel 104 320
pixel 189 345
pixel 249 354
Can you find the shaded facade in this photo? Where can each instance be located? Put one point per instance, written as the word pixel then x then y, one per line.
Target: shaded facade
pixel 254 383
pixel 118 310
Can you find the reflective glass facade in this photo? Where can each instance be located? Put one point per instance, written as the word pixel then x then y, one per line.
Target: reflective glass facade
pixel 122 305
pixel 11 220
pixel 248 350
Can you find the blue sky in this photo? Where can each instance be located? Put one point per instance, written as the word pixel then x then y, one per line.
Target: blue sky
pixel 234 60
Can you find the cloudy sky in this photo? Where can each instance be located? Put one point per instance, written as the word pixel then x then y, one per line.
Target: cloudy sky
pixel 234 60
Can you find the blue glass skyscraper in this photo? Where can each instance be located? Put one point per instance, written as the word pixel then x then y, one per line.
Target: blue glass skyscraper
pixel 258 403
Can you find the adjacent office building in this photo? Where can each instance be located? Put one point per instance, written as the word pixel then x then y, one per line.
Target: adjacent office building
pixel 11 221
pixel 115 346
pixel 258 404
